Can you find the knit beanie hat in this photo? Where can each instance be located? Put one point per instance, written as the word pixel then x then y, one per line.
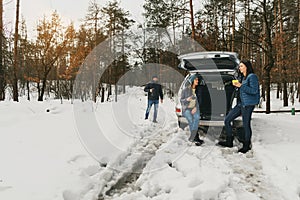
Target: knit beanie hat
pixel 192 78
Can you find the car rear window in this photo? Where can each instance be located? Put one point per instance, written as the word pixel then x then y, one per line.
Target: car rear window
pixel 210 63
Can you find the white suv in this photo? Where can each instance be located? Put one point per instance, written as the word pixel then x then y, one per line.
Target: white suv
pixel 215 92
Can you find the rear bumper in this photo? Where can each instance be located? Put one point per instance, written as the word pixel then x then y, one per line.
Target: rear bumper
pixel 182 122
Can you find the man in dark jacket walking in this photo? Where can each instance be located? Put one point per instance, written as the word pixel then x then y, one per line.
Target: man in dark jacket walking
pixel 154 90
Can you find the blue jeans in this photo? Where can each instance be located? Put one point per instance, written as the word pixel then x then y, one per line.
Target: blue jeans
pixel 246 112
pixel 192 119
pixel 150 103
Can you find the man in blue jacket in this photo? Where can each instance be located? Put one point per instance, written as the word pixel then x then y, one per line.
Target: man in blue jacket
pixel 154 90
pixel 249 97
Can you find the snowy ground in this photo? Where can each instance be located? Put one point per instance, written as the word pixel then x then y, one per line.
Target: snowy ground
pixel 44 158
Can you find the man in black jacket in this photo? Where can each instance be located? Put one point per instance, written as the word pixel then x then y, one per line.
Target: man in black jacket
pixel 154 90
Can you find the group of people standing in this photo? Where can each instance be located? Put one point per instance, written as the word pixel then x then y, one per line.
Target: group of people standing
pixel 249 97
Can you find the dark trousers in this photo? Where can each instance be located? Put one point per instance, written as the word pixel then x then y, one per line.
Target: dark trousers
pixel 246 112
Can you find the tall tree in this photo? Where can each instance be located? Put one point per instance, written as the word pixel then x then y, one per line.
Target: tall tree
pixel 247 25
pixel 16 61
pixel 24 59
pixel 92 21
pixel 192 19
pixel 298 50
pixel 50 45
pixel 267 20
pixel 116 21
pixel 233 16
pixel 157 18
pixel 157 13
pixel 212 18
pixel 162 15
pixel 281 53
pixel 2 77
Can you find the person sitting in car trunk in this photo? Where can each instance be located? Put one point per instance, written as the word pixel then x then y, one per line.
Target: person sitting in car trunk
pixel 191 110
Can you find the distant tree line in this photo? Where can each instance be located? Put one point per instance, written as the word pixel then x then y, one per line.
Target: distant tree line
pixel 264 31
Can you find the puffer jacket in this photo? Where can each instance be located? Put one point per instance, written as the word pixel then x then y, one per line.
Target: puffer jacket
pixel 249 91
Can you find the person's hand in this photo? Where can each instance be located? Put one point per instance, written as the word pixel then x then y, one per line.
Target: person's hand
pixel 161 100
pixel 151 90
pixel 194 110
pixel 237 84
pixel 190 98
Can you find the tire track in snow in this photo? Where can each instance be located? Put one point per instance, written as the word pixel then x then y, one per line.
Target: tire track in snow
pixel 122 174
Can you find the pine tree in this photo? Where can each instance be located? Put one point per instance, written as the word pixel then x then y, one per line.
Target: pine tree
pixel 16 61
pixel 2 77
pixel 116 21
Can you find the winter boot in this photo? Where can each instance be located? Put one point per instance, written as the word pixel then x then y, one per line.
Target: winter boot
pixel 197 140
pixel 193 135
pixel 194 138
pixel 246 147
pixel 227 143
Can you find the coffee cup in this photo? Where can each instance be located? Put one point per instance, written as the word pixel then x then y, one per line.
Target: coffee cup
pixel 234 81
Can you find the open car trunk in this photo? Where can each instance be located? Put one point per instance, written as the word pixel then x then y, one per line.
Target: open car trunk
pixel 215 94
pixel 215 70
pixel 208 61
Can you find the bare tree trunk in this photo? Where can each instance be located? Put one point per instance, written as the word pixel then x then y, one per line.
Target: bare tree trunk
pixel 246 37
pixel 228 43
pixel 298 53
pixel 263 90
pixel 102 94
pixel 264 61
pixel 248 30
pixel 269 51
pixel 15 69
pixel 278 91
pixel 123 61
pixel 42 91
pixel 244 43
pixel 292 92
pixel 299 91
pixel 2 77
pixel 28 90
pixel 233 26
pixel 216 30
pixel 192 19
pixel 268 91
pixel 38 88
pixel 281 56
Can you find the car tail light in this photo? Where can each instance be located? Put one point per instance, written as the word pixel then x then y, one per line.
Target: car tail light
pixel 178 110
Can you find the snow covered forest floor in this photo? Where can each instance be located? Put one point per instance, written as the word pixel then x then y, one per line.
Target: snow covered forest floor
pixel 43 157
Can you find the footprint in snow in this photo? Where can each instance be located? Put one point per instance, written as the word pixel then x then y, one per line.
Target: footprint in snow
pixel 3 188
pixel 195 182
pixel 76 158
